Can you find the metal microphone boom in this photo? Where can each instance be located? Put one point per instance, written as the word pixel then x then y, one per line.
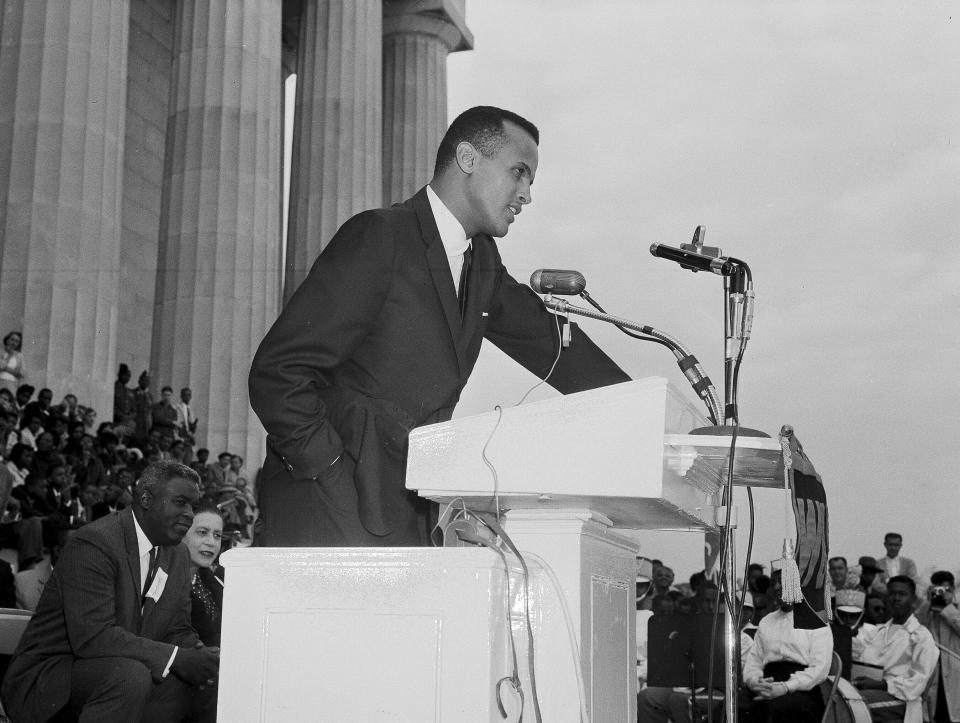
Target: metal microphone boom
pixel 687 362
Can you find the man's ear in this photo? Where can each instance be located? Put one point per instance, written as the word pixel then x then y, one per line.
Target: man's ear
pixel 146 499
pixel 466 156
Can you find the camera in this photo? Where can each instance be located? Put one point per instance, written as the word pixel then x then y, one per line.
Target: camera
pixel 938 596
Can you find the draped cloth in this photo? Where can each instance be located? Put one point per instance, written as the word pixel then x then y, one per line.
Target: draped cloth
pixel 810 513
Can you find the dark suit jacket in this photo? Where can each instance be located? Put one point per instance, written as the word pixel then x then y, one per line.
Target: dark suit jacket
pixel 90 608
pixel 372 344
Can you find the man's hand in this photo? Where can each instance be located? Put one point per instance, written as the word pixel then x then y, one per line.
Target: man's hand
pixel 768 689
pixel 197 666
pixel 864 683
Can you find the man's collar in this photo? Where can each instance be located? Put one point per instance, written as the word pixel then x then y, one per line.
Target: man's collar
pixel 909 625
pixel 143 542
pixel 452 233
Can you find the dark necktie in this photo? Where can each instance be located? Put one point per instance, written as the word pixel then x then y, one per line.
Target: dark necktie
pixel 464 276
pixel 151 573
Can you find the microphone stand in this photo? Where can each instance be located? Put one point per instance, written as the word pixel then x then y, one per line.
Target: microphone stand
pixel 686 361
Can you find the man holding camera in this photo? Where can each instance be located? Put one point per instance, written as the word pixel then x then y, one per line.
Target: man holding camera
pixel 940 615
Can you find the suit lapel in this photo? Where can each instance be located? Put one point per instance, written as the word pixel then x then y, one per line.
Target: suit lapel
pixel 133 549
pixel 439 266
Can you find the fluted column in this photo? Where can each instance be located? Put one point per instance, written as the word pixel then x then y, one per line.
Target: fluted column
pixel 336 165
pixel 219 230
pixel 417 37
pixel 62 97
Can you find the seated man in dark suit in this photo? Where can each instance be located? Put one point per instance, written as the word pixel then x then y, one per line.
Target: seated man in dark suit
pixel 111 638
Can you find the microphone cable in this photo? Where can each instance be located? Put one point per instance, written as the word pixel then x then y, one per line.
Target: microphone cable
pixel 585 295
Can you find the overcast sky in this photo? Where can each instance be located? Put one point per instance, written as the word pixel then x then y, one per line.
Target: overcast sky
pixel 818 141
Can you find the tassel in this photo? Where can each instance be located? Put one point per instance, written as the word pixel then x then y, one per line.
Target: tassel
pixel 790 575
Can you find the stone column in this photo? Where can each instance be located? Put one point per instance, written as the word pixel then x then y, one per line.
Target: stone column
pixel 417 37
pixel 63 70
pixel 219 230
pixel 335 171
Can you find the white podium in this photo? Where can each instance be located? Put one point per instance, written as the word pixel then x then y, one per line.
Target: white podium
pixel 422 634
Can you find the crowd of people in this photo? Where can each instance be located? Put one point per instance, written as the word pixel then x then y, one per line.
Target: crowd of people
pixel 897 638
pixel 62 469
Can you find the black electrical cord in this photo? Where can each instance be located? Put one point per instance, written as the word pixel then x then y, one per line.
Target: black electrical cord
pixel 589 299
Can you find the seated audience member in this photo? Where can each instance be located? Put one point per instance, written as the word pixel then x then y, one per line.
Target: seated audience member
pixel 236 470
pixel 840 577
pixel 869 572
pixel 644 584
pixel 108 645
pixel 848 609
pixel 30 429
pixel 659 704
pixel 662 580
pixel 940 615
pixel 204 541
pixel 785 666
pixel 7 402
pixel 875 610
pixel 905 650
pixel 87 467
pixel 707 596
pixel 749 609
pixel 762 603
pixel 754 570
pixel 696 580
pixel 9 436
pixel 20 462
pixel 218 471
pixel 45 456
pixel 25 535
pixel 40 408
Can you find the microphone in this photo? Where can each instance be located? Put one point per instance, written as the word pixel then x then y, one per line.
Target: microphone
pixel 695 262
pixel 558 281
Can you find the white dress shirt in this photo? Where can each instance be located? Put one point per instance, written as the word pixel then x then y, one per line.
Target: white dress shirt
pixel 777 639
pixel 144 546
pixel 908 654
pixel 452 235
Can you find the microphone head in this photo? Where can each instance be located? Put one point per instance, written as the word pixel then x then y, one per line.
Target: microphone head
pixel 558 281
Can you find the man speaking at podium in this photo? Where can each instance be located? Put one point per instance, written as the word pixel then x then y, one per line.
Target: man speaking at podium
pixel 383 334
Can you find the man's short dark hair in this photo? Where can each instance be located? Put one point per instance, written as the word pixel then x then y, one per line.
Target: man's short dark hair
pixel 26 389
pixel 157 474
pixel 185 389
pixel 942 577
pixel 908 581
pixel 891 535
pixel 838 557
pixel 167 389
pixel 224 454
pixel 754 566
pixel 482 127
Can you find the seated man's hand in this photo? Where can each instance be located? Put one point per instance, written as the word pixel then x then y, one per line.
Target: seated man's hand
pixel 197 666
pixel 767 689
pixel 864 683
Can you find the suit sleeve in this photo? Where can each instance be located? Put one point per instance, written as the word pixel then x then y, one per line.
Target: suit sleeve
pixel 88 581
pixel 523 329
pixel 323 323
